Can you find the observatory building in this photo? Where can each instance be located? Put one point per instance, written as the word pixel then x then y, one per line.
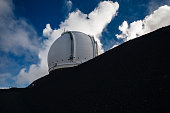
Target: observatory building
pixel 71 49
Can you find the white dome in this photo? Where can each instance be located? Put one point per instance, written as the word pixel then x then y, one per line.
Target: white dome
pixel 71 49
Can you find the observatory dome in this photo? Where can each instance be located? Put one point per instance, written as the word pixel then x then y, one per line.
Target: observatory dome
pixel 71 49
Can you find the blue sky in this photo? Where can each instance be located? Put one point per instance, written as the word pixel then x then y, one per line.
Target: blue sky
pixel 25 38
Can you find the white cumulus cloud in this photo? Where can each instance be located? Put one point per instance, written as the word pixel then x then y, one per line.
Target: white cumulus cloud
pixel 158 19
pixel 92 24
pixel 47 31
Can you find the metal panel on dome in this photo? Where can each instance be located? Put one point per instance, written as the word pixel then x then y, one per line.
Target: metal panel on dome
pixel 59 51
pixel 84 48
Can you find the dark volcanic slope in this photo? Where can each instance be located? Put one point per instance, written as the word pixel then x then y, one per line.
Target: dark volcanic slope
pixel 131 78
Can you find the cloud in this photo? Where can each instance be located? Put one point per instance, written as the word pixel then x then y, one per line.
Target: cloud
pixel 16 35
pixel 159 18
pixel 4 77
pixel 92 24
pixel 47 31
pixel 6 7
pixel 69 5
pixel 155 4
pixel 17 38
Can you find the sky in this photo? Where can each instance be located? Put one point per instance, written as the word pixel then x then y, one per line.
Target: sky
pixel 29 27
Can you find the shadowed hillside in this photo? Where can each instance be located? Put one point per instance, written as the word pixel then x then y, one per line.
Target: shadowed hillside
pixel 131 78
